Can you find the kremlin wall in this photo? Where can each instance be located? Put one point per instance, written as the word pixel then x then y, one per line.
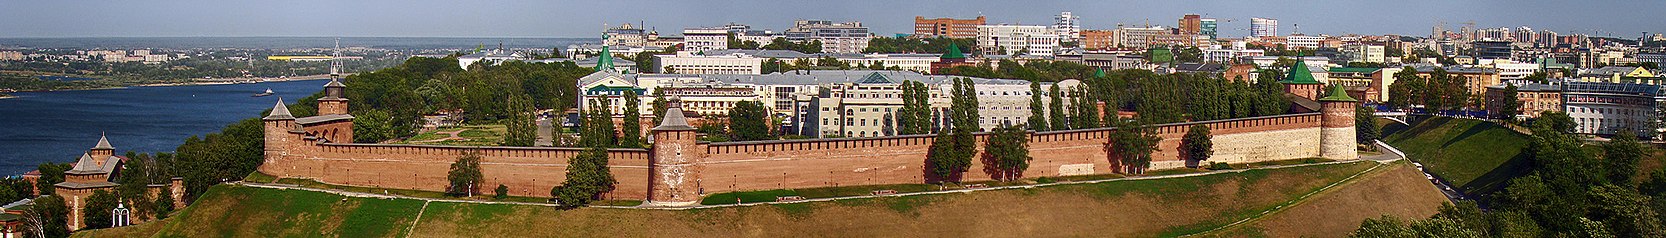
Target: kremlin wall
pixel 678 170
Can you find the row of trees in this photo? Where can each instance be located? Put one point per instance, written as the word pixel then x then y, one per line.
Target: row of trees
pixel 1440 91
pixel 938 45
pixel 1570 190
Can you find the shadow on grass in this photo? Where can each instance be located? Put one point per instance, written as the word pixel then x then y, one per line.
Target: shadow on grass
pixel 1478 128
pixel 1483 187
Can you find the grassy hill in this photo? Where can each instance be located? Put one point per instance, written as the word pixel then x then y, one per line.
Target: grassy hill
pixel 1130 208
pixel 1398 191
pixel 1476 156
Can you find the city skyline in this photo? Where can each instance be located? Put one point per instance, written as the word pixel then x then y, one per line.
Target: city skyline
pixel 1626 19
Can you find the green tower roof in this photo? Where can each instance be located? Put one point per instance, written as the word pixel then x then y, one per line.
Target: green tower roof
pixel 1099 73
pixel 1337 94
pixel 605 62
pixel 954 52
pixel 1299 75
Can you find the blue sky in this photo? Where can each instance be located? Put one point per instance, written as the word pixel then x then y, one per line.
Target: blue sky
pixel 497 18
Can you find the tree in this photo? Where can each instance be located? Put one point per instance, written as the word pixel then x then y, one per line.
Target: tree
pixel 1382 227
pixel 1621 156
pixel 1038 112
pixel 659 105
pixel 47 218
pixel 748 121
pixel 50 175
pixel 1197 145
pixel 164 202
pixel 1510 106
pixel 1132 143
pixel 465 175
pixel 587 178
pixel 1085 109
pixel 521 125
pixel 632 127
pixel 1366 130
pixel 951 153
pixel 96 213
pixel 1055 108
pixel 1007 153
pixel 501 192
pixel 915 115
pixel 1627 213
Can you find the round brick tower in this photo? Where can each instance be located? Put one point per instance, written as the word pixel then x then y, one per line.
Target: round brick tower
pixel 674 172
pixel 1336 133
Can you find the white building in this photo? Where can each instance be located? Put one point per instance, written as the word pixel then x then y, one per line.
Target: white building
pixel 847 37
pixel 1218 54
pixel 490 57
pixel 685 62
pixel 1364 53
pixel 1017 39
pixel 1303 42
pixel 705 39
pixel 1510 70
pixel 1260 27
pixel 1068 27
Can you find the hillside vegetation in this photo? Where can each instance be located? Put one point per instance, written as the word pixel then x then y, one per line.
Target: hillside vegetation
pixel 1477 157
pixel 1139 208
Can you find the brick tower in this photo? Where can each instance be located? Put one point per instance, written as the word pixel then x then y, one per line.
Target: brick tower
pixel 1336 133
pixel 333 102
pixel 674 172
pixel 277 126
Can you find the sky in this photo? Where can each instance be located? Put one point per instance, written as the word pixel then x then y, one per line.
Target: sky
pixel 562 18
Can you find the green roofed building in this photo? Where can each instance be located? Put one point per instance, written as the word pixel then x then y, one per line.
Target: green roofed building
pixel 1301 83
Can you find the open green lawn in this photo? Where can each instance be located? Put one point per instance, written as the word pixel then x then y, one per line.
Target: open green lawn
pixel 471 135
pixel 1476 156
pixel 1131 208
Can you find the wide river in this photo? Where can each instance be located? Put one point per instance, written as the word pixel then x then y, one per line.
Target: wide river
pixel 58 126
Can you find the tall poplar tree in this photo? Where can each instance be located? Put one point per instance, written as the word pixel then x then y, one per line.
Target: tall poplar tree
pixel 1056 109
pixel 1038 112
pixel 632 126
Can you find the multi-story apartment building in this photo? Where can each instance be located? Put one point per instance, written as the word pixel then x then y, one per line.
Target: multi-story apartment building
pixel 946 27
pixel 1535 98
pixel 1608 108
pixel 715 62
pixel 11 56
pixel 1139 37
pixel 1479 78
pixel 1098 39
pixel 629 35
pixel 705 39
pixel 1018 39
pixel 1191 24
pixel 1067 26
pixel 1303 42
pixel 1207 27
pixel 1357 52
pixel 1261 27
pixel 1492 49
pixel 847 37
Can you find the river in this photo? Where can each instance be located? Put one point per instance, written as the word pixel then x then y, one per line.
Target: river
pixel 58 126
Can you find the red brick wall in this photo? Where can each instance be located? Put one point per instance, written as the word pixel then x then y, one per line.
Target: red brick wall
pixel 736 166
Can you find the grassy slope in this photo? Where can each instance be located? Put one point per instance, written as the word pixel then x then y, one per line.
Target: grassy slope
pixel 1398 191
pixel 1476 156
pixel 1159 207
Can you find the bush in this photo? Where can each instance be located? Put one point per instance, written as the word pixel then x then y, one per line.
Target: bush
pixel 1219 166
pixel 502 191
pixel 1046 180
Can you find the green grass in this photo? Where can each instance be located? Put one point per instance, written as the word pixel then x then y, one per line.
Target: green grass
pixel 472 135
pixel 258 177
pixel 746 197
pixel 1476 156
pixel 233 211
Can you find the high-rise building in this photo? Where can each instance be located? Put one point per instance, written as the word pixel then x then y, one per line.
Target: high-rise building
pixel 1491 49
pixel 1191 24
pixel 1207 27
pixel 847 37
pixel 1017 39
pixel 1067 26
pixel 1260 27
pixel 946 27
pixel 1139 37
